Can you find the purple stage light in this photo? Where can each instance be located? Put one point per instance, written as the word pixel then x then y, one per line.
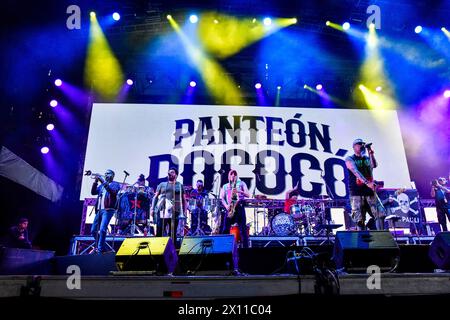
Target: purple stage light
pixel 192 84
pixel 258 85
pixel 130 82
pixel 53 103
pixel 50 127
pixel 45 150
pixel 58 82
pixel 447 94
pixel 319 87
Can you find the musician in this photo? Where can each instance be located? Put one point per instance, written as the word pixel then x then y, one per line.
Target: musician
pixel 291 198
pixel 17 236
pixel 441 195
pixel 361 184
pixel 169 204
pixel 199 194
pixel 105 207
pixel 232 195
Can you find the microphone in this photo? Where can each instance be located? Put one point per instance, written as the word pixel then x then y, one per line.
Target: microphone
pixel 87 172
pixel 126 173
pixel 221 171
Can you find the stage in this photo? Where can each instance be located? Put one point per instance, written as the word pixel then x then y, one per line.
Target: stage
pixel 272 267
pixel 220 287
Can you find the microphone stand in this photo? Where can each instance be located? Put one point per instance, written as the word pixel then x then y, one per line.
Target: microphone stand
pixel 324 218
pixel 216 219
pixel 255 220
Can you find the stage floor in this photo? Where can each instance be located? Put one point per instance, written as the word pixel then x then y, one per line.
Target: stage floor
pixel 141 286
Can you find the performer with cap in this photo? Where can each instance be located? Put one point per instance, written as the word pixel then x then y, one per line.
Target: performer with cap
pixel 361 184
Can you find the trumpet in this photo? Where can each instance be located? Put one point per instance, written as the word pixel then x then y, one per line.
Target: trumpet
pixel 94 175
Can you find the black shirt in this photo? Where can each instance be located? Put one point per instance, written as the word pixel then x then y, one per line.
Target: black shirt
pixel 356 186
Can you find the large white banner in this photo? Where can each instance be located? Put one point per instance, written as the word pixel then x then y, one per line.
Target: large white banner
pixel 272 148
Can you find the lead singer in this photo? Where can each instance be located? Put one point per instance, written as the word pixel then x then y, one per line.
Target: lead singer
pixel 232 196
pixel 170 203
pixel 361 184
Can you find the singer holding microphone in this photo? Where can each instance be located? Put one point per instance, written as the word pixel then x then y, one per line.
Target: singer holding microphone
pixel 361 184
pixel 105 207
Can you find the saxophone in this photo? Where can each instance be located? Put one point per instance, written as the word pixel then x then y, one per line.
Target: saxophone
pixel 234 201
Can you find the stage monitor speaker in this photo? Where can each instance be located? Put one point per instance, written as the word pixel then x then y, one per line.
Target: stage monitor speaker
pixel 354 251
pixel 440 250
pixel 153 254
pixel 208 255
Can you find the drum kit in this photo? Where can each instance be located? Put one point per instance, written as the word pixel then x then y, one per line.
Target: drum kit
pixel 301 220
pixel 134 209
pixel 202 209
pixel 305 218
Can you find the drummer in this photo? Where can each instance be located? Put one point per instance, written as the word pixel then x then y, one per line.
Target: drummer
pixel 291 198
pixel 199 214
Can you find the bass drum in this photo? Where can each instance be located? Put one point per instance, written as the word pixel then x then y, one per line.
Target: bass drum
pixel 283 224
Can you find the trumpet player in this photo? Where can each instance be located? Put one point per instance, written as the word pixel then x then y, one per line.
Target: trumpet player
pixel 441 195
pixel 105 207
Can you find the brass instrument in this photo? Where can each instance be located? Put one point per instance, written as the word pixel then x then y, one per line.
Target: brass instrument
pixel 234 201
pixel 99 176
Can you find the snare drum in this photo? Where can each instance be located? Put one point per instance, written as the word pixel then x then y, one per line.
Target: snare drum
pixel 283 224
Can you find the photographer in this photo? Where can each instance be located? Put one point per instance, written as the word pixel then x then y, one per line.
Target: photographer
pixel 361 184
pixel 441 195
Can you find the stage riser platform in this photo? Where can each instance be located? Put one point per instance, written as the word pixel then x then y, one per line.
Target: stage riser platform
pixel 195 287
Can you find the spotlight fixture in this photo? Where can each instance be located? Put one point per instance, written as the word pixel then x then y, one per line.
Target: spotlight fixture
pixel 58 82
pixel 267 21
pixel 116 16
pixel 193 18
pixel 192 84
pixel 418 29
pixel 319 87
pixel 45 150
pixel 53 103
pixel 447 94
pixel 130 82
pixel 346 26
pixel 258 85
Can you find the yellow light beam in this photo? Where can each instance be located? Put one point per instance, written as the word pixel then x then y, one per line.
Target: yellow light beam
pixel 102 70
pixel 377 100
pixel 217 81
pixel 232 34
pixel 446 32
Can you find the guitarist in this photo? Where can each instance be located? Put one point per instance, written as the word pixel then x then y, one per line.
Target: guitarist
pixel 361 184
pixel 232 195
